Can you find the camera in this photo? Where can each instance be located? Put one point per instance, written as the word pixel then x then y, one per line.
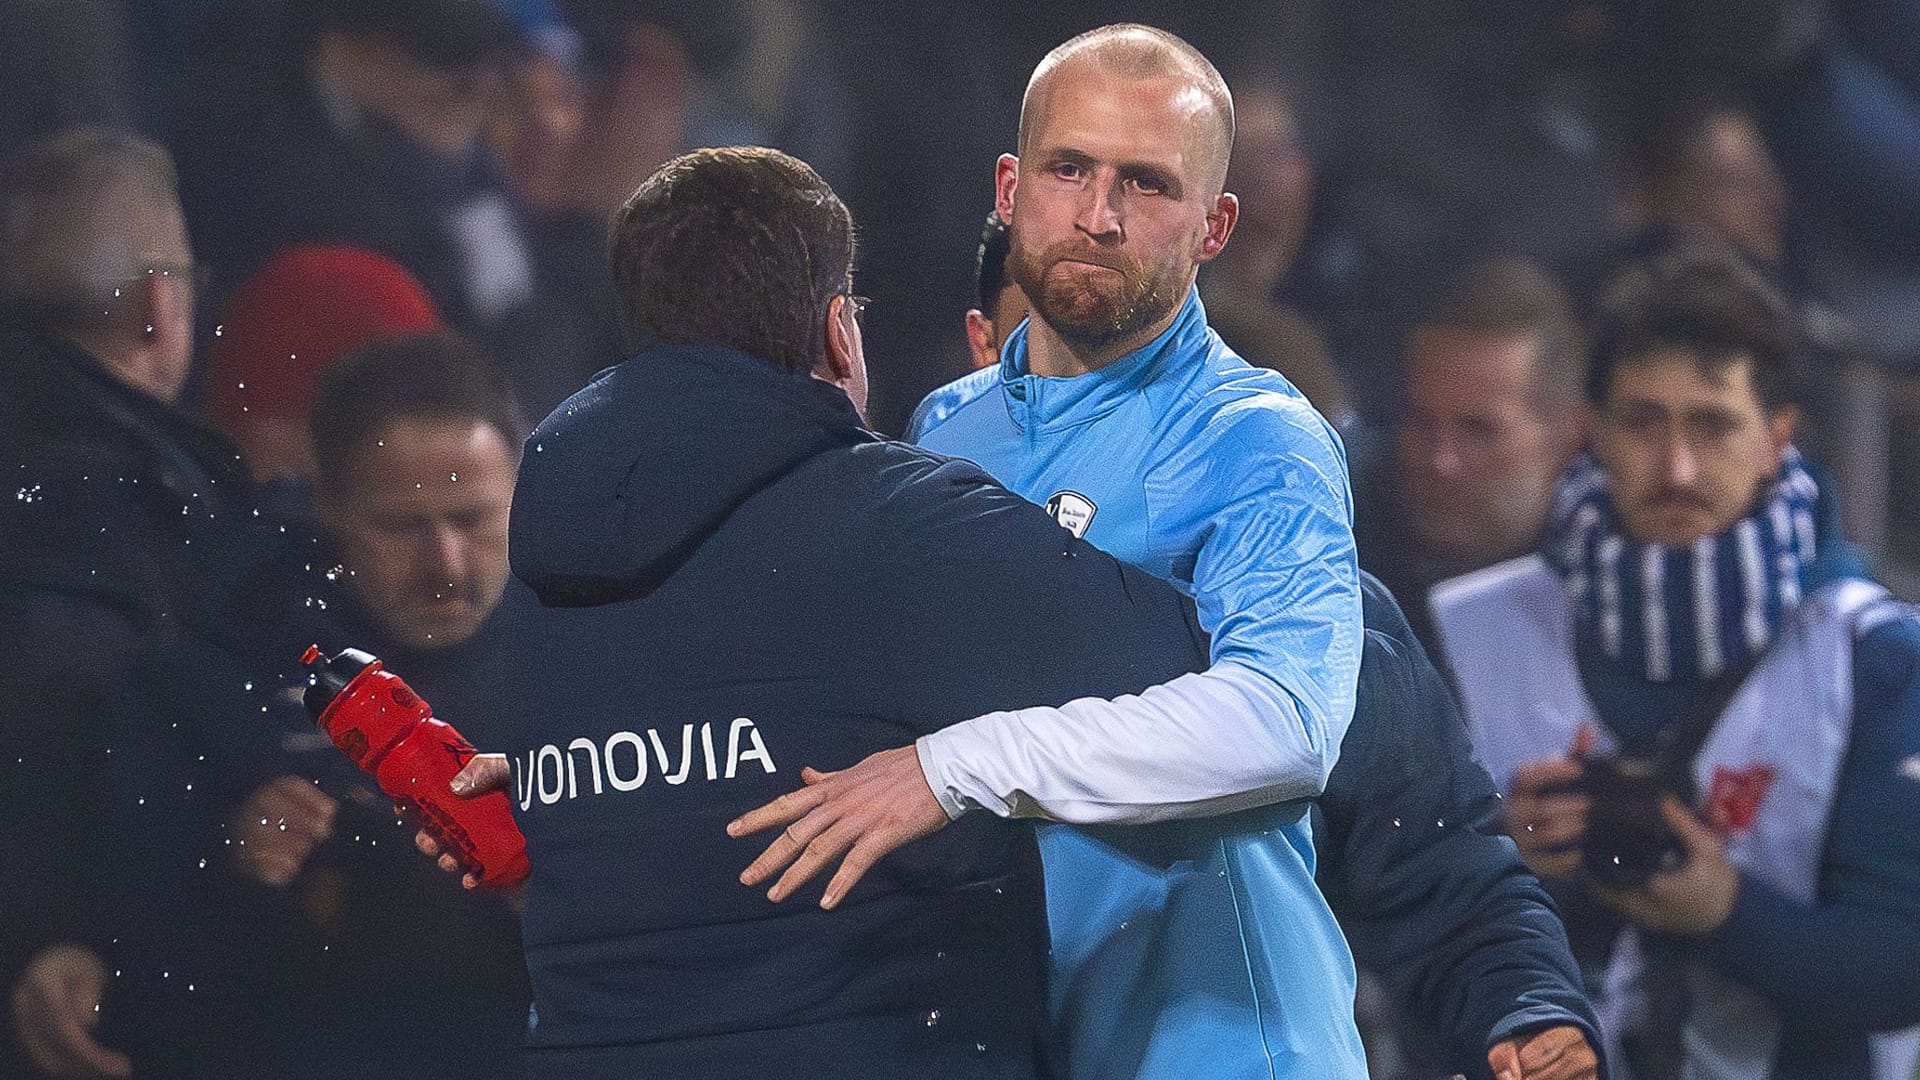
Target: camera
pixel 1628 840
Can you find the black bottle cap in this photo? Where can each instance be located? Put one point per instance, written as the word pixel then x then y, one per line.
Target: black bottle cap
pixel 329 677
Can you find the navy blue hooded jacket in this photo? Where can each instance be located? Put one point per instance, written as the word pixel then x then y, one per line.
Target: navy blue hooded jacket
pixel 726 578
pixel 1432 895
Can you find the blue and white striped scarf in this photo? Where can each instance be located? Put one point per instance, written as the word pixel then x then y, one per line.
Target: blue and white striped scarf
pixel 1688 613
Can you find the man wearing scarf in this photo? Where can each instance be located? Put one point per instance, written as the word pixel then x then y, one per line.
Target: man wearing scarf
pixel 1694 578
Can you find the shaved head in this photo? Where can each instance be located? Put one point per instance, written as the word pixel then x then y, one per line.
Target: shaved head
pixel 1137 52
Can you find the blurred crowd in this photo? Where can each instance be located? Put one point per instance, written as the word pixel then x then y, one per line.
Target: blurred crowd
pixel 314 266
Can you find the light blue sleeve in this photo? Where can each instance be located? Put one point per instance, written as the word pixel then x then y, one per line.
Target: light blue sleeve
pixel 1261 499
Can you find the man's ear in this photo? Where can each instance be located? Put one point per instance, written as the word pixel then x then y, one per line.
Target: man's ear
pixel 1781 425
pixel 980 339
pixel 836 366
pixel 1006 177
pixel 1220 222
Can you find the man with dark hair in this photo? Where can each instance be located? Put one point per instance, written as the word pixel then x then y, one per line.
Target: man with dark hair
pixel 415 441
pixel 1693 618
pixel 1001 304
pixel 724 577
pixel 1492 416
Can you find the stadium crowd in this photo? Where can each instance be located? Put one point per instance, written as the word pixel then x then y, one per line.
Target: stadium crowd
pixel 1619 295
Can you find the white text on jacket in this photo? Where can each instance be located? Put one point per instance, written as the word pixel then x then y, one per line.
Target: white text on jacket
pixel 552 773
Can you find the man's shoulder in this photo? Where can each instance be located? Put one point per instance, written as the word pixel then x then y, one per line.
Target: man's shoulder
pixel 1886 654
pixel 1228 406
pixel 940 406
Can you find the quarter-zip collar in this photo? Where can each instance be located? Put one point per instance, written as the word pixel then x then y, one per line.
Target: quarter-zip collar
pixel 1039 404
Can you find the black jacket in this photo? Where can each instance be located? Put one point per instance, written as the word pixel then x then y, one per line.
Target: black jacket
pixel 728 578
pixel 144 612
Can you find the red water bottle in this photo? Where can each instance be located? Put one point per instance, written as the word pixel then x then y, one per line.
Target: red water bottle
pixel 390 732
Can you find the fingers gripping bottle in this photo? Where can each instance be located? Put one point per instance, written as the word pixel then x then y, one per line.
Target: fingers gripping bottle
pixel 379 722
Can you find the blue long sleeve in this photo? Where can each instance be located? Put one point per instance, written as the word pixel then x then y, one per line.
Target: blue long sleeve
pixel 1848 961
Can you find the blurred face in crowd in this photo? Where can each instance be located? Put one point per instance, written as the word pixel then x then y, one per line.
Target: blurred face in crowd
pixel 1687 447
pixel 1483 444
pixel 1271 174
pixel 422 522
pixel 1116 200
pixel 1729 184
pixel 988 330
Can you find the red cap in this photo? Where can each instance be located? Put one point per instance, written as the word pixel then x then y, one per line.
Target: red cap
pixel 306 308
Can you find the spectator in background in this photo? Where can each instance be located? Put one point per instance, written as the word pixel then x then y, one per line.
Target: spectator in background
pixel 417 440
pixel 144 608
pixel 1704 170
pixel 1693 596
pixel 405 973
pixel 372 131
pixel 281 330
pixel 1493 416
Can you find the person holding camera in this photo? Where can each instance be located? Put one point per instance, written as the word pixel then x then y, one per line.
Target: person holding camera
pixel 1704 714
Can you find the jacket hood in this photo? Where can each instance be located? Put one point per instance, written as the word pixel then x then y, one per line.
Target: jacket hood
pixel 626 478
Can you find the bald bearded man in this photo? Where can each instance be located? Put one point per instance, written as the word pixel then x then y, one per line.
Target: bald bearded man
pixel 1199 945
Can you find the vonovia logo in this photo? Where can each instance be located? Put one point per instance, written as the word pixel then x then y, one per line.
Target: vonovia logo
pixel 1073 511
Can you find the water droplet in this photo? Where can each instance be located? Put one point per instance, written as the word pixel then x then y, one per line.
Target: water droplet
pixel 981 1047
pixel 933 1017
pixel 203 864
pixel 1616 860
pixel 142 802
pixel 455 477
pixel 243 386
pixel 248 687
pixel 1396 823
pixel 539 448
pixel 220 331
pixel 1440 823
